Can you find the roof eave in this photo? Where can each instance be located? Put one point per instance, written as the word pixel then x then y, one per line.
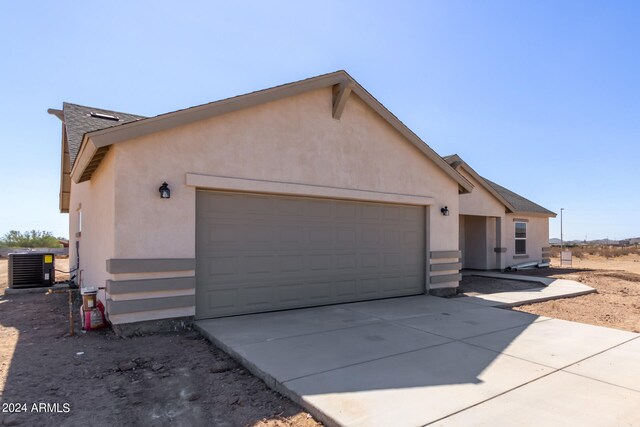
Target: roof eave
pixel 87 160
pixel 65 186
pixel 537 214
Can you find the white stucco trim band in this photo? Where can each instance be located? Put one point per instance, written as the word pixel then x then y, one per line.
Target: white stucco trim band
pixel 213 182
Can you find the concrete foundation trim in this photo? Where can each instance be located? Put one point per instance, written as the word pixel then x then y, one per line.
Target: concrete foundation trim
pixel 213 182
pixel 446 278
pixel 115 287
pixel 148 304
pixel 445 254
pixel 443 292
pixel 153 326
pixel 149 265
pixel 446 266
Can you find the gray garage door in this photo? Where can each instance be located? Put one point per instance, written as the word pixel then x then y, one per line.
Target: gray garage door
pixel 259 253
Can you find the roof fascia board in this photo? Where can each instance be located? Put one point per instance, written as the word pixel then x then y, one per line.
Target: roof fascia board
pixel 535 214
pixel 87 150
pixel 65 184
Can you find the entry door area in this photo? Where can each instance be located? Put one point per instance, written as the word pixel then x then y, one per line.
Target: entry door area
pixel 257 253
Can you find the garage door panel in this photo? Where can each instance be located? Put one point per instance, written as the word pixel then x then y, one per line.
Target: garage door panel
pixel 345 210
pixel 320 236
pixel 221 266
pixel 394 213
pixel 261 253
pixel 410 282
pixel 346 289
pixel 258 296
pixel 318 210
pixel 347 261
pixel 369 260
pixel 217 299
pixel 392 259
pixel 291 234
pixel 277 267
pixel 369 212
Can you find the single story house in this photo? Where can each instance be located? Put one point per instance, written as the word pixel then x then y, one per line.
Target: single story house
pixel 497 227
pixel 300 195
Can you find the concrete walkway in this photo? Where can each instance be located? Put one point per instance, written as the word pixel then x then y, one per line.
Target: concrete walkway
pixel 549 289
pixel 450 362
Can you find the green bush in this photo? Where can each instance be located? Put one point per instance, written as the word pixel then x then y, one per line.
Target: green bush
pixel 29 239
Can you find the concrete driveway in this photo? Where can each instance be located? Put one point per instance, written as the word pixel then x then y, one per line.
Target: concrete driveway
pixel 448 362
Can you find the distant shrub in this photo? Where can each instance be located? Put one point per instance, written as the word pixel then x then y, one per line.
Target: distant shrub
pixel 29 239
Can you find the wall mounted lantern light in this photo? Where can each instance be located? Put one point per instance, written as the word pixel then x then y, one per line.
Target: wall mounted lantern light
pixel 445 211
pixel 165 193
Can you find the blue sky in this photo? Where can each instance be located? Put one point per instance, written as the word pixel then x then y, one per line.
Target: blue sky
pixel 542 97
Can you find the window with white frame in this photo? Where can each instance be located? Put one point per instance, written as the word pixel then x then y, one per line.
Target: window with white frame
pixel 79 229
pixel 521 238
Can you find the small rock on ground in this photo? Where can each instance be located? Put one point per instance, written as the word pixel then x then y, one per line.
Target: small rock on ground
pixel 126 366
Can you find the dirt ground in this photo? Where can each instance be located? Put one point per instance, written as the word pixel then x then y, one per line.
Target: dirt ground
pixel 616 303
pixel 176 379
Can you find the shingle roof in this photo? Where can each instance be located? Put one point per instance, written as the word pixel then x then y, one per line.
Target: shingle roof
pixel 78 121
pixel 520 203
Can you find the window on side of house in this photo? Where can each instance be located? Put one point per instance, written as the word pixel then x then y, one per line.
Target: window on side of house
pixel 79 231
pixel 521 238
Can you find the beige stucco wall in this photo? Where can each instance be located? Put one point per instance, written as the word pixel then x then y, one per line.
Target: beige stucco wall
pixel 537 238
pixel 479 202
pixel 294 140
pixel 95 199
pixel 479 211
